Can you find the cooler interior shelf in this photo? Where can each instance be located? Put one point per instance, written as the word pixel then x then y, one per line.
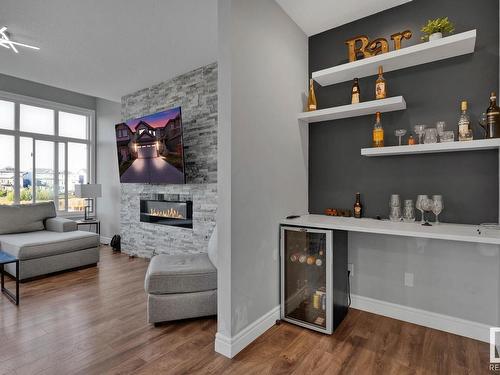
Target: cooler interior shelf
pixel 395 103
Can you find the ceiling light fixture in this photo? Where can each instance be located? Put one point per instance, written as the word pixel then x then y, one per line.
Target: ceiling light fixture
pixel 9 44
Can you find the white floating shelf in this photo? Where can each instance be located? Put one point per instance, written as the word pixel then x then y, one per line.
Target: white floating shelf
pixel 480 144
pixel 396 103
pixel 445 48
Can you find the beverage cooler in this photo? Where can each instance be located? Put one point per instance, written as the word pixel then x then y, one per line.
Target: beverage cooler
pixel 314 278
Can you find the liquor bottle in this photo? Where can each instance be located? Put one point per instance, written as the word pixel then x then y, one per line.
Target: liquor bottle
pixel 378 132
pixel 412 141
pixel 355 92
pixel 380 87
pixel 358 208
pixel 312 105
pixel 493 118
pixel 464 127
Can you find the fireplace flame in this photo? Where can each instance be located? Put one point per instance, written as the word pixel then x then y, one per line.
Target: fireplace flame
pixel 170 213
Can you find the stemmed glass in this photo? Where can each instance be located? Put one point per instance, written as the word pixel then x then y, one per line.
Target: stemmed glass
pixel 399 133
pixel 438 206
pixel 419 205
pixel 427 206
pixel 419 130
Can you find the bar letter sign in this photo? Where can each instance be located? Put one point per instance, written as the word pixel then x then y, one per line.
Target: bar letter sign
pixel 361 47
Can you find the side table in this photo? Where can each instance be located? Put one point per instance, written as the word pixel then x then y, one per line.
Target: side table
pixel 6 258
pixel 95 222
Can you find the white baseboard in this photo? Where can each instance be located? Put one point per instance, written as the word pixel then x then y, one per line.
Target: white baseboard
pixel 230 346
pixel 105 240
pixel 462 327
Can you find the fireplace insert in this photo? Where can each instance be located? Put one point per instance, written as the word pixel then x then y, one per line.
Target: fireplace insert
pixel 166 212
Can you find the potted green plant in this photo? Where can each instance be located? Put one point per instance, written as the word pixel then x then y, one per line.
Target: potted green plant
pixel 434 29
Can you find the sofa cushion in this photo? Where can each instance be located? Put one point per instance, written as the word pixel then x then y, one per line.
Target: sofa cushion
pixel 45 243
pixel 20 218
pixel 60 224
pixel 183 273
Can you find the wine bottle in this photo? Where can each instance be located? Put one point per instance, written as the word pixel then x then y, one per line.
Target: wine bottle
pixel 355 92
pixel 493 117
pixel 358 208
pixel 380 86
pixel 464 127
pixel 378 132
pixel 312 105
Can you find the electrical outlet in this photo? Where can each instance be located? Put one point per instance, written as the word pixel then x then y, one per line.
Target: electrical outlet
pixel 409 279
pixel 350 268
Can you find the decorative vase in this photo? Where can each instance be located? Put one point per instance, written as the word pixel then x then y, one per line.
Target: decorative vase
pixel 435 36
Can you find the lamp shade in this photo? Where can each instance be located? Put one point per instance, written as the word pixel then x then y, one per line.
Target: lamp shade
pixel 88 190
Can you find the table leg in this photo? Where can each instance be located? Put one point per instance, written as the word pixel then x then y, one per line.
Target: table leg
pixel 8 293
pixel 2 271
pixel 17 282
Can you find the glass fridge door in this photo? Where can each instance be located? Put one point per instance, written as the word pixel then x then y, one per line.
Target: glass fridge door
pixel 306 277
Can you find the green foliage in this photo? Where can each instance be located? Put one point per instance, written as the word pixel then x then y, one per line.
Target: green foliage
pixel 438 25
pixel 10 196
pixel 44 194
pixel 25 195
pixel 3 193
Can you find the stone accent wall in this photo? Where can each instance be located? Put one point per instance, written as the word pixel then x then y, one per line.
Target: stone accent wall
pixel 196 93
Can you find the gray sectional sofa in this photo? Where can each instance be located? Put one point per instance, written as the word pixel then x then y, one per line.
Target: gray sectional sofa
pixel 43 242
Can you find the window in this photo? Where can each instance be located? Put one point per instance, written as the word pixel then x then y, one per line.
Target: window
pixel 6 115
pixel 45 149
pixel 7 171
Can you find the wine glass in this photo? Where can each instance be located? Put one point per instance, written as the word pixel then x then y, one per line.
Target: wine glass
pixel 419 206
pixel 438 206
pixel 419 130
pixel 399 133
pixel 427 205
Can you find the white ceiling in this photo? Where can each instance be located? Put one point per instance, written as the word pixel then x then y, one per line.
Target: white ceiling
pixel 316 16
pixel 108 48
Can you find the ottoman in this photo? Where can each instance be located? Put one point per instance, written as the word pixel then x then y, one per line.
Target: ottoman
pixel 180 286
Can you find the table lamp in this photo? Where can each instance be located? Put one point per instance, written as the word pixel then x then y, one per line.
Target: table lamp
pixel 89 192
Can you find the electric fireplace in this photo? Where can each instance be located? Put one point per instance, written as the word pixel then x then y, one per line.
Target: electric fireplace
pixel 167 212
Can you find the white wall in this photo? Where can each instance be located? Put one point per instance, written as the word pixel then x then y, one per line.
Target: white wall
pixel 108 207
pixel 262 78
pixel 456 279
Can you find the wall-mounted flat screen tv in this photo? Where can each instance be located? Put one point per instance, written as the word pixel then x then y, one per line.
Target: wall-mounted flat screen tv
pixel 150 149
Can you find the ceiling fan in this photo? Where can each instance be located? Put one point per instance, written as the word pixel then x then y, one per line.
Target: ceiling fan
pixel 9 44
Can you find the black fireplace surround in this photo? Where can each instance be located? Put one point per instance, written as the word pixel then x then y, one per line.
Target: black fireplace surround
pixel 167 212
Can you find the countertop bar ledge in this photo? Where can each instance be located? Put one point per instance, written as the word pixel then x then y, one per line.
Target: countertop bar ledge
pixel 441 231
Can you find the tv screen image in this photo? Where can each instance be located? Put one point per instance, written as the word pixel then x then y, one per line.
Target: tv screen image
pixel 150 149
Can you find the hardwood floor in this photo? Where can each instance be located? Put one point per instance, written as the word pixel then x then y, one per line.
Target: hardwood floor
pixel 93 321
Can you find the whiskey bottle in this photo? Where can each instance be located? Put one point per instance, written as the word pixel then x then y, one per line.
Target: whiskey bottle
pixel 355 92
pixel 464 127
pixel 380 86
pixel 493 118
pixel 312 105
pixel 358 208
pixel 378 132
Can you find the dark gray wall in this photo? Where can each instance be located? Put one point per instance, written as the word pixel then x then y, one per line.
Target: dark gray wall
pixel 37 90
pixel 468 181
